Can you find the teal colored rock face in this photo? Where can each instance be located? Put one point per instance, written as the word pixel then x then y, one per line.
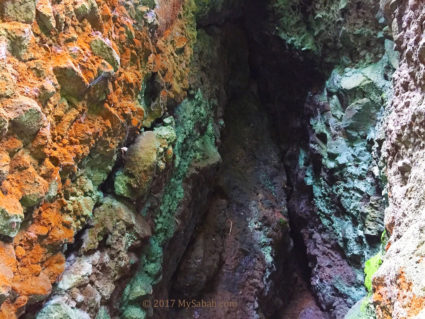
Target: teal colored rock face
pixel 363 309
pixel 343 168
pixel 57 309
pixel 194 146
pixel 333 31
pixel 344 138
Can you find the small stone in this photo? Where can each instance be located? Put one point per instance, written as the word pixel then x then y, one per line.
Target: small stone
pixel 4 165
pixel 45 16
pixel 18 37
pixel 47 90
pixel 11 215
pixel 7 263
pixel 88 10
pixel 103 313
pixel 25 116
pixel 76 275
pixel 7 83
pixel 139 168
pixel 103 48
pixel 71 80
pixel 18 10
pixel 57 309
pixel 4 123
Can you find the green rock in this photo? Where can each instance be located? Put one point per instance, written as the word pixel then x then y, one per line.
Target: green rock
pixel 4 123
pixel 11 216
pixel 103 48
pixel 140 166
pixel 133 312
pixel 363 309
pixel 103 313
pixel 59 310
pixel 45 16
pixel 25 116
pixel 72 81
pixel 18 10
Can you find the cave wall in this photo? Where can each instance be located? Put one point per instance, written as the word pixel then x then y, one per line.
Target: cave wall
pixel 147 143
pixel 398 284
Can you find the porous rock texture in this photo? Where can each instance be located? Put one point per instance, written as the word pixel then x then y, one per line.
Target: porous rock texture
pixel 398 284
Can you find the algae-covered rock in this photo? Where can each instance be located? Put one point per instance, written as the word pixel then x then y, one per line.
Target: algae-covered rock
pixel 4 165
pixel 102 47
pixel 11 215
pixel 140 165
pixel 4 122
pixel 119 223
pixel 71 80
pixel 58 309
pixel 25 116
pixel 45 17
pixel 18 10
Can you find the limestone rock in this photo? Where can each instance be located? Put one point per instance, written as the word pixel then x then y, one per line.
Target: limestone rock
pixel 7 263
pixel 18 37
pixel 4 165
pixel 25 116
pixel 71 80
pixel 102 47
pixel 58 309
pixel 11 215
pixel 139 168
pixel 45 15
pixel 18 10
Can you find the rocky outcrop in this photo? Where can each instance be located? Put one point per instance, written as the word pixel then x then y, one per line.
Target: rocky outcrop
pixel 398 285
pixel 232 152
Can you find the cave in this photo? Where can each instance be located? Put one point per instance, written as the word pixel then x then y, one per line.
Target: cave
pixel 209 159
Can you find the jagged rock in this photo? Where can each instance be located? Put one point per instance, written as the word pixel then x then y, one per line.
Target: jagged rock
pixel 57 309
pixel 11 215
pixel 119 223
pixel 139 168
pixel 4 123
pixel 102 47
pixel 7 263
pixel 7 83
pixel 88 9
pixel 71 80
pixel 45 15
pixel 18 10
pixel 4 165
pixel 25 116
pixel 18 37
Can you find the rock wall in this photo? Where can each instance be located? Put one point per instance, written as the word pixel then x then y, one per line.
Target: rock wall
pixel 398 285
pixel 156 149
pixel 85 91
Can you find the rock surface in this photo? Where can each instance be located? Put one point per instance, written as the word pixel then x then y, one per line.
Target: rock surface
pixel 230 151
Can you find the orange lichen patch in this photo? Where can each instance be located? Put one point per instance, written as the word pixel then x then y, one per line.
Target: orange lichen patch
pixel 8 310
pixel 76 122
pixel 405 299
pixel 167 12
pixel 37 286
pixel 7 266
pixel 54 266
pixel 180 42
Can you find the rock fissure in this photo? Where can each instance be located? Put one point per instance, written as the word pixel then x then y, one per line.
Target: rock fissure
pixel 239 153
